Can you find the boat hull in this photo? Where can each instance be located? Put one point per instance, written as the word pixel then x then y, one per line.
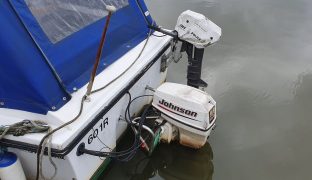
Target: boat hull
pixel 103 131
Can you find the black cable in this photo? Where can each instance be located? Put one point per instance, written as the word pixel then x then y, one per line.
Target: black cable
pixel 127 113
pixel 105 146
pixel 131 151
pixel 138 134
pixel 102 141
pixel 128 107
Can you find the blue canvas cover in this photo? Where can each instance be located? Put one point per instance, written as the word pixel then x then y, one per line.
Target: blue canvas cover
pixel 48 47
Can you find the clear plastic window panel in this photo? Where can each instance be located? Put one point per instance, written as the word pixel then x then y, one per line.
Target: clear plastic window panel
pixel 61 18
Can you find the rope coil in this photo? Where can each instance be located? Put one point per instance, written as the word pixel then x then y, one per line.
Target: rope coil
pixel 24 127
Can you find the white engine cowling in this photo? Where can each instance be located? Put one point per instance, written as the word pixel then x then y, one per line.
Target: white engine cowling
pixel 196 29
pixel 191 110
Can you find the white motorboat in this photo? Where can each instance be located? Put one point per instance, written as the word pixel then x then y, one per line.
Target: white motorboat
pixel 61 123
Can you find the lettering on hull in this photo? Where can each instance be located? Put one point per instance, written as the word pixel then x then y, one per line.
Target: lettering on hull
pixel 97 130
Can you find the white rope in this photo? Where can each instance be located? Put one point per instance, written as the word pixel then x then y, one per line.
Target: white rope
pixel 49 142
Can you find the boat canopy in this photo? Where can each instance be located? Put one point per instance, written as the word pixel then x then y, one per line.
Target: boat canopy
pixel 48 47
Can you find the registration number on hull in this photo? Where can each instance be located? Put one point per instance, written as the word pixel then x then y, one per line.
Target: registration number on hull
pixel 99 129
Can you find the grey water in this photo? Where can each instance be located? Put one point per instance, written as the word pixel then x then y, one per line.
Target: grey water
pixel 260 74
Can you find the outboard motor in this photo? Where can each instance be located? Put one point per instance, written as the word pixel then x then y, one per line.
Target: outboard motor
pixel 190 113
pixel 197 32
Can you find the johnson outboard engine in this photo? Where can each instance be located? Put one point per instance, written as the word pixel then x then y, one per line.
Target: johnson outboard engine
pixel 190 112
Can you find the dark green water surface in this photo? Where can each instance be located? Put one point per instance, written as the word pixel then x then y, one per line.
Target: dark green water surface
pixel 260 74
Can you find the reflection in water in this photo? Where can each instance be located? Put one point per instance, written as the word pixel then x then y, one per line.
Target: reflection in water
pixel 303 89
pixel 260 76
pixel 170 162
pixel 177 162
